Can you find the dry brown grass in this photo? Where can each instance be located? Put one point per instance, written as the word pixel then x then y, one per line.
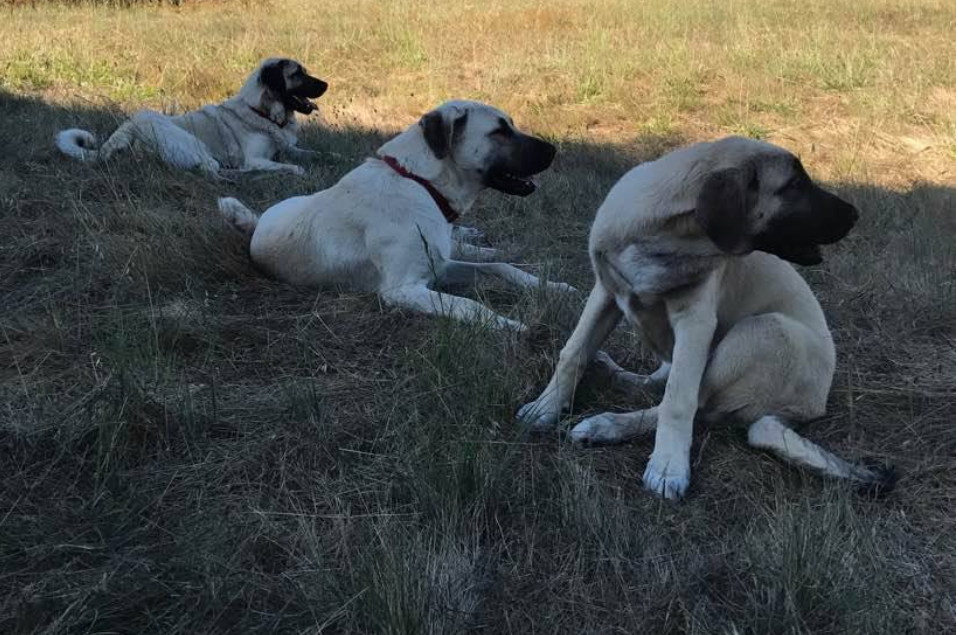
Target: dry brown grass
pixel 188 447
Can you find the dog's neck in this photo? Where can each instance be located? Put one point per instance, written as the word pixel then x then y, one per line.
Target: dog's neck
pixel 441 201
pixel 286 117
pixel 414 155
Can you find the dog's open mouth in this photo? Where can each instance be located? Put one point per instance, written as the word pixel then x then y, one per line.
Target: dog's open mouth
pixel 301 104
pixel 299 98
pixel 510 183
pixel 805 256
pixel 800 254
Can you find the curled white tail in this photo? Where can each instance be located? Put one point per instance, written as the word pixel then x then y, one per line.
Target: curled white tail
pixel 239 216
pixel 78 144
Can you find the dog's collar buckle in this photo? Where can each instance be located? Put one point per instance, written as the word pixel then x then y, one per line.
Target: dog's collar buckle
pixel 266 116
pixel 441 201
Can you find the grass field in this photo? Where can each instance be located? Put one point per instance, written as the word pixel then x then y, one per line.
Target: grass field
pixel 188 447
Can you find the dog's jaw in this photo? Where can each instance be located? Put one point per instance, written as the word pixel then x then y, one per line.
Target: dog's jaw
pixel 509 183
pixel 301 105
pixel 299 98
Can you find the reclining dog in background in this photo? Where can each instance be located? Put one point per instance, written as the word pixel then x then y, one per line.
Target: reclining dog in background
pixel 677 248
pixel 386 225
pixel 244 133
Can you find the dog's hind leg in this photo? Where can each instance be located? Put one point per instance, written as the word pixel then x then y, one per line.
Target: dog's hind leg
pixel 173 144
pixel 614 427
pixel 239 216
pixel 770 433
pixel 122 138
pixel 421 298
pixel 769 368
pixel 623 378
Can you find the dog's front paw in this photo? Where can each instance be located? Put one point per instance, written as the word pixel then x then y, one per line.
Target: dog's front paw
pixel 598 430
pixel 539 415
pixel 506 324
pixel 295 169
pixel 210 167
pixel 667 474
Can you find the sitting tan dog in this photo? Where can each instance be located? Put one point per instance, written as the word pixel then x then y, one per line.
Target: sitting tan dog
pixel 692 249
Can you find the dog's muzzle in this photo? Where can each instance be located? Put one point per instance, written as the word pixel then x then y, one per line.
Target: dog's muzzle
pixel 512 173
pixel 822 220
pixel 298 98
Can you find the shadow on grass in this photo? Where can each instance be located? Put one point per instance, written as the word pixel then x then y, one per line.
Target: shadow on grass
pixel 188 446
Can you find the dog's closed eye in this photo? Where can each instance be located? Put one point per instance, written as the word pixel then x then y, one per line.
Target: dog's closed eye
pixel 793 182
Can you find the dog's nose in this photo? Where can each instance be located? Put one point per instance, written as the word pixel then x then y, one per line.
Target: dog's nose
pixel 838 218
pixel 548 151
pixel 853 214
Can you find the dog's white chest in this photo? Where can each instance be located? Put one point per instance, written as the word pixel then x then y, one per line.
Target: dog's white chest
pixel 259 145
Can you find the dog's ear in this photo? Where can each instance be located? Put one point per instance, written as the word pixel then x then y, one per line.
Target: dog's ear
pixel 441 135
pixel 273 78
pixel 722 206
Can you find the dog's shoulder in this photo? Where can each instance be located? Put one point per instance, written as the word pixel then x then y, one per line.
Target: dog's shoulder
pixel 373 195
pixel 645 239
pixel 649 196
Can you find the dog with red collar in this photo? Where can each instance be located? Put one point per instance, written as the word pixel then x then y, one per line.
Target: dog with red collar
pixel 244 133
pixel 387 225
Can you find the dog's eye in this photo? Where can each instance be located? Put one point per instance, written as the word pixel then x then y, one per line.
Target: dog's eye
pixel 503 130
pixel 793 182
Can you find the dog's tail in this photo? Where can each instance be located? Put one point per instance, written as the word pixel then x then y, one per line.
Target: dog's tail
pixel 239 216
pixel 82 145
pixel 78 144
pixel 875 479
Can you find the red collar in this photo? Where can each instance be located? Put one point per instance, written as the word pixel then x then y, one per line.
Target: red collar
pixel 268 118
pixel 441 201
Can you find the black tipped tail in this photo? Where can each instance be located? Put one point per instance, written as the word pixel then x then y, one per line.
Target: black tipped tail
pixel 883 480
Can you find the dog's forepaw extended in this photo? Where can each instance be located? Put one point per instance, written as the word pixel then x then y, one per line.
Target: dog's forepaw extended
pixel 295 169
pixel 667 475
pixel 506 324
pixel 598 430
pixel 561 287
pixel 538 415
pixel 210 167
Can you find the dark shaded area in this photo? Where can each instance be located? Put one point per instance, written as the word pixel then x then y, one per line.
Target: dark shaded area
pixel 189 447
